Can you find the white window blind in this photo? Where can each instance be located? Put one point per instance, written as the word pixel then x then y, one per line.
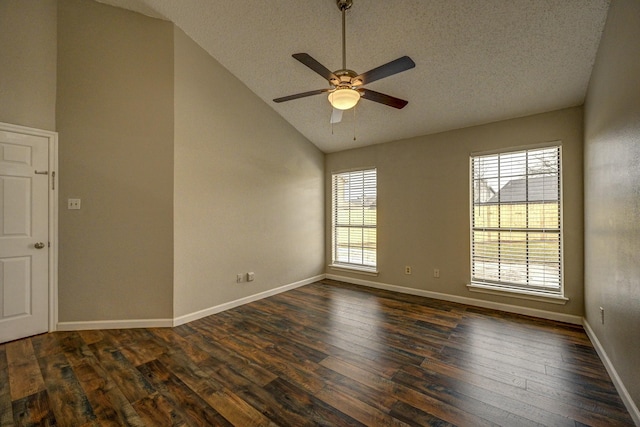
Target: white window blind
pixel 516 235
pixel 354 218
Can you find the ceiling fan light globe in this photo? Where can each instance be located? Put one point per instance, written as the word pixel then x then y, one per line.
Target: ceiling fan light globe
pixel 344 99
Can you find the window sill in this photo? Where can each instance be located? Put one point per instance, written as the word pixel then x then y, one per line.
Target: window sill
pixel 486 288
pixel 354 269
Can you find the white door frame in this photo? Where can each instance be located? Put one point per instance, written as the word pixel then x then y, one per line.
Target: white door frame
pixel 52 137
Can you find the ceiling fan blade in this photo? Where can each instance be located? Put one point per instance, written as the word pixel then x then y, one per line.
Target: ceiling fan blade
pixel 307 60
pixel 374 96
pixel 389 69
pixel 301 95
pixel 336 116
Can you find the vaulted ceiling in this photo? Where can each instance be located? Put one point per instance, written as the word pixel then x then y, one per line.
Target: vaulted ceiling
pixel 477 61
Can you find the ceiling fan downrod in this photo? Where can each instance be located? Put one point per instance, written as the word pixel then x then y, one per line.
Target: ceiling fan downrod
pixel 343 5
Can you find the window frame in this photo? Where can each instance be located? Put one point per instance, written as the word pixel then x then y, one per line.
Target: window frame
pixel 503 287
pixel 338 262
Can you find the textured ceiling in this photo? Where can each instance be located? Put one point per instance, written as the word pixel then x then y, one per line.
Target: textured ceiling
pixel 477 61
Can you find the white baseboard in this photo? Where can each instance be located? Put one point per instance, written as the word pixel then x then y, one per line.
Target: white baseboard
pixel 617 381
pixel 181 320
pixel 560 317
pixel 114 324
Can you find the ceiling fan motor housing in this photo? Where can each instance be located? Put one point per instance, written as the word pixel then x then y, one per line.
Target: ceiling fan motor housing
pixel 345 78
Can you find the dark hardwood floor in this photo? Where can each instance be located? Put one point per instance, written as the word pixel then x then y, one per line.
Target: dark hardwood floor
pixel 323 354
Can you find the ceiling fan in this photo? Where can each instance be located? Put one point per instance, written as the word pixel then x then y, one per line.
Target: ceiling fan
pixel 346 86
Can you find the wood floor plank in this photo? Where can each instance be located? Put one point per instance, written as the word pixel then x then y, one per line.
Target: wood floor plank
pixel 268 341
pixel 237 411
pixel 48 344
pixel 257 396
pixel 155 410
pixel 6 411
pixel 67 398
pixel 142 351
pixel 376 362
pixel 363 343
pixel 394 311
pixel 91 336
pixel 132 384
pixel 190 373
pixel 307 405
pixel 345 384
pixel 328 353
pixel 440 409
pixel 366 414
pixel 181 398
pixel 296 372
pixel 109 404
pixel 589 409
pixel 245 367
pixel 524 395
pixel 460 392
pixel 34 410
pixel 25 377
pixel 170 339
pixel 416 417
pixel 497 380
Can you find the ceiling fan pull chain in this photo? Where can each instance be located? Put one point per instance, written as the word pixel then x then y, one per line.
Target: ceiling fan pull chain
pixel 354 122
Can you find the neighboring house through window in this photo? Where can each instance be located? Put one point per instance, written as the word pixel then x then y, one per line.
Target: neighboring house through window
pixel 354 219
pixel 516 221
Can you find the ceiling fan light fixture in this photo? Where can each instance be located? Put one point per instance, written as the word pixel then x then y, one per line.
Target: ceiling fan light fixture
pixel 344 98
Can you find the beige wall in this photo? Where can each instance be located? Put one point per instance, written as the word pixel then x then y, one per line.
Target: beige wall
pixel 28 63
pixel 248 189
pixel 612 193
pixel 115 124
pixel 423 203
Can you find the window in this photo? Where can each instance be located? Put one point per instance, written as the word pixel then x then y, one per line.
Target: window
pixel 354 219
pixel 516 233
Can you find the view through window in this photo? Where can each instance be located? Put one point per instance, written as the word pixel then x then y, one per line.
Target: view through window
pixel 516 236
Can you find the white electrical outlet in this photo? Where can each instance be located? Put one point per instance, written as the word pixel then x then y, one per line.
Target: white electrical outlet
pixel 238 278
pixel 602 315
pixel 250 276
pixel 436 273
pixel 73 203
pixel 407 269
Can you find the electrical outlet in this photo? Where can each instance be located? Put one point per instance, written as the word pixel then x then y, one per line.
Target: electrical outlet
pixel 238 278
pixel 73 203
pixel 436 273
pixel 251 276
pixel 407 269
pixel 602 315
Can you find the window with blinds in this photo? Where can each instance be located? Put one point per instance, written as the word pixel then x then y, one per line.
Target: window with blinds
pixel 354 196
pixel 516 220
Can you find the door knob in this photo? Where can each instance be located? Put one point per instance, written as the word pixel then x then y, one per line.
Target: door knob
pixel 39 245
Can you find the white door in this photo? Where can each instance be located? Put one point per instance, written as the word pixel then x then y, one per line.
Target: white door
pixel 24 235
